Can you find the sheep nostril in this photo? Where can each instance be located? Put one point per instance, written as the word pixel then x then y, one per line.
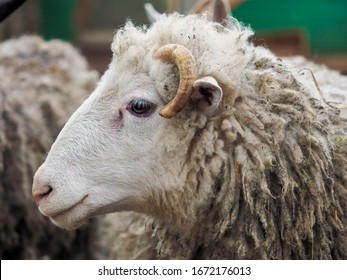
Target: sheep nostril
pixel 41 193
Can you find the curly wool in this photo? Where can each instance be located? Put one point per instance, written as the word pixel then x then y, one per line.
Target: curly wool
pixel 330 84
pixel 41 84
pixel 263 179
pixel 124 236
pixel 270 177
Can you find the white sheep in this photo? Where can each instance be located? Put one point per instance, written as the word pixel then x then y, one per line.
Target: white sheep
pixel 228 150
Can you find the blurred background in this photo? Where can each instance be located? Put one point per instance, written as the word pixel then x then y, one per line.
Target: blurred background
pixel 316 29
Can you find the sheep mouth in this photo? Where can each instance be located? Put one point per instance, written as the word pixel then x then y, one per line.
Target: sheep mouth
pixel 61 214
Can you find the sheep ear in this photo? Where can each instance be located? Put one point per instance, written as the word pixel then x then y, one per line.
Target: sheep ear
pixel 151 13
pixel 207 95
pixel 221 11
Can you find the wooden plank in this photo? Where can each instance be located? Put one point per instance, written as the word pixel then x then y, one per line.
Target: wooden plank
pixel 173 6
pixel 333 61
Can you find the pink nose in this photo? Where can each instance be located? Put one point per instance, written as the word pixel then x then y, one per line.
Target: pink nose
pixel 41 189
pixel 41 192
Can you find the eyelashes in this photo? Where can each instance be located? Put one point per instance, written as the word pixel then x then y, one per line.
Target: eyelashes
pixel 141 107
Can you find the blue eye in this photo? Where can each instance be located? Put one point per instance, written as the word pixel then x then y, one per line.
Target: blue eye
pixel 140 107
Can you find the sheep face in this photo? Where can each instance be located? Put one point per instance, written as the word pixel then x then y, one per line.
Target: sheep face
pixel 103 159
pixel 112 132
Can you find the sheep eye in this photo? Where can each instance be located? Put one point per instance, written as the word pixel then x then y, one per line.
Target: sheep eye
pixel 140 107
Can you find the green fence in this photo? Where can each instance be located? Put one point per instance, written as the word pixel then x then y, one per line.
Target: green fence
pixel 325 21
pixel 58 19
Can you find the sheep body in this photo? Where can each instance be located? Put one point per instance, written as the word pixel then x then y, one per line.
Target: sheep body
pixel 332 86
pixel 41 84
pixel 278 177
pixel 125 236
pixel 262 178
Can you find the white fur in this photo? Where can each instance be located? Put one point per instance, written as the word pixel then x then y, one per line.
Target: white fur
pixel 92 140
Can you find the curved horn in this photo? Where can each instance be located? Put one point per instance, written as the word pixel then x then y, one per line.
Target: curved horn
pixel 184 60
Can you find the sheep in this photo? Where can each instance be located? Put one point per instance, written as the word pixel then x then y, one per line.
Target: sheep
pixel 41 84
pixel 227 147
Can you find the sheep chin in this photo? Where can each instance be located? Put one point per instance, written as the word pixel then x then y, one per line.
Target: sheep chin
pixel 69 225
pixel 71 218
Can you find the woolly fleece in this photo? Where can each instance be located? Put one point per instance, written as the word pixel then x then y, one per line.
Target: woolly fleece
pixel 265 178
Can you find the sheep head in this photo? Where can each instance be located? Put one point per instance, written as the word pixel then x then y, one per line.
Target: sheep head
pixel 107 156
